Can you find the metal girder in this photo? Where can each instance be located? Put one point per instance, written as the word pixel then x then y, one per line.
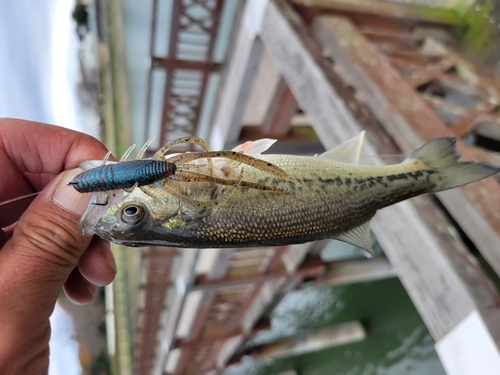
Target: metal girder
pixel 193 30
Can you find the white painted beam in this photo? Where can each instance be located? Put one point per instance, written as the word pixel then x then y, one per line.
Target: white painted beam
pixel 341 334
pixel 469 348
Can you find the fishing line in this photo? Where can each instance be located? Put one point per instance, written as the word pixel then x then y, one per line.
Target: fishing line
pixel 400 156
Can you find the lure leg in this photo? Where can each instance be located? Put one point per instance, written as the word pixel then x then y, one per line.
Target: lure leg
pixel 107 194
pixel 186 176
pixel 142 151
pixel 242 158
pixel 105 160
pixel 188 139
pixel 126 154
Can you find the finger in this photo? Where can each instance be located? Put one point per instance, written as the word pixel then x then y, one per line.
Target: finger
pixel 37 150
pixel 78 289
pixel 97 264
pixel 3 238
pixel 12 210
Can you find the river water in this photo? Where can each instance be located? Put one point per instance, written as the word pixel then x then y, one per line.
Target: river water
pixel 397 342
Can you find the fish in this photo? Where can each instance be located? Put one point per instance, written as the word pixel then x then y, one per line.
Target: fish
pixel 335 198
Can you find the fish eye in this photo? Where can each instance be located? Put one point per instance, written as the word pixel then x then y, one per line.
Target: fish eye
pixel 132 213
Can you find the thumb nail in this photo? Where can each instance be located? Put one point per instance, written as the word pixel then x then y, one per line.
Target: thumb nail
pixel 66 197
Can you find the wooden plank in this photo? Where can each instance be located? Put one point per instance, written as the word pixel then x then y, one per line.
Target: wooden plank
pixel 469 120
pixel 340 334
pixel 439 292
pixel 280 112
pixel 263 88
pixel 306 80
pixel 422 74
pixel 355 271
pixel 410 12
pixel 454 110
pixel 411 122
pixel 486 156
pixel 240 69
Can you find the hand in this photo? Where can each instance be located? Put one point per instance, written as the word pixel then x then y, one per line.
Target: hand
pixel 42 250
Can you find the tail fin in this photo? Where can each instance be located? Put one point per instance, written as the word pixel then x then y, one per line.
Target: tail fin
pixel 440 155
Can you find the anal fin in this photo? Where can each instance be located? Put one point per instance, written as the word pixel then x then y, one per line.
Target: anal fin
pixel 359 237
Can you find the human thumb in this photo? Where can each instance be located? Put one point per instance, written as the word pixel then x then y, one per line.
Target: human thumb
pixel 44 248
pixel 34 264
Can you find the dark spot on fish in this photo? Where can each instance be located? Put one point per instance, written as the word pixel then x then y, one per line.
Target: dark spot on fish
pixel 400 176
pixel 339 181
pixel 371 181
pixel 307 180
pixel 326 180
pixel 348 181
pixel 415 175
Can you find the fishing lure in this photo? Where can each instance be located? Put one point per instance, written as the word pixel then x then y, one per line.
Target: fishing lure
pixel 128 175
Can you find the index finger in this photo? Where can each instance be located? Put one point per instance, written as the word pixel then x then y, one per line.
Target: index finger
pixel 13 209
pixel 32 154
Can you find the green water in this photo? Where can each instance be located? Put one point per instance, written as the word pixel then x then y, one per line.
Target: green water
pixel 397 340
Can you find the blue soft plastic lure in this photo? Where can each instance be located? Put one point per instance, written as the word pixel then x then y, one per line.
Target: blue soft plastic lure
pixel 128 175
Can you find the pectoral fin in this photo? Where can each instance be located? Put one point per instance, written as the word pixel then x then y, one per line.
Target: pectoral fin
pixel 359 236
pixel 255 148
pixel 347 152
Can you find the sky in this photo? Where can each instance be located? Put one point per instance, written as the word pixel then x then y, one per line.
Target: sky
pixel 38 62
pixel 39 72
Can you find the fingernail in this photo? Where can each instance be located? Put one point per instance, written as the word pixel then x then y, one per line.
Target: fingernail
pixel 66 197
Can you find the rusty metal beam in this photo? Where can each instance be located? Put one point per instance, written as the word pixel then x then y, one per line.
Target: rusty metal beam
pixel 202 18
pixel 210 294
pixel 234 320
pixel 312 266
pixel 263 324
pixel 171 64
pixel 160 263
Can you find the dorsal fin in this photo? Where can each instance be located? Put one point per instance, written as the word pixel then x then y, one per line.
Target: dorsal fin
pixel 359 236
pixel 348 152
